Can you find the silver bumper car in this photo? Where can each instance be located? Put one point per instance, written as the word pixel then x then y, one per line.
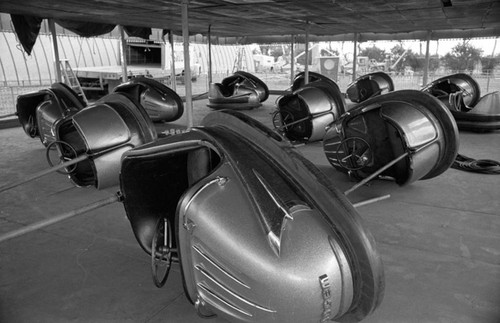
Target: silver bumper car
pixel 39 112
pixel 240 91
pixel 369 85
pixel 102 131
pixel 261 235
pixel 406 135
pixel 461 94
pixel 161 103
pixel 299 80
pixel 305 114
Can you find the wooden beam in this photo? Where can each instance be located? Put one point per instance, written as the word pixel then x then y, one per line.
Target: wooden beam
pixel 122 55
pixel 306 65
pixel 427 59
pixel 55 50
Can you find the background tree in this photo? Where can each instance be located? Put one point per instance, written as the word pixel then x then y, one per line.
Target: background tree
pixel 489 63
pixel 463 57
pixel 373 53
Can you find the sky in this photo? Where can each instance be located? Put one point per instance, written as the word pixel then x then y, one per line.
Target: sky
pixel 441 47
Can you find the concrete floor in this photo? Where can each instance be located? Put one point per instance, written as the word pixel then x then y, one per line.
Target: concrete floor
pixel 439 240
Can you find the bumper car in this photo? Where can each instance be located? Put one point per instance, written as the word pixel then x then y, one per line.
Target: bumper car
pixel 39 112
pixel 240 91
pixel 369 85
pixel 102 131
pixel 299 80
pixel 406 135
pixel 461 94
pixel 305 114
pixel 260 234
pixel 483 117
pixel 161 103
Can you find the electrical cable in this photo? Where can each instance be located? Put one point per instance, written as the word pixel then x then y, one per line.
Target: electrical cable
pixel 483 166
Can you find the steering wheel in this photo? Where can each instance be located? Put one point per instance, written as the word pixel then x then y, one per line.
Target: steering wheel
pixel 354 153
pixel 62 158
pixel 161 252
pixel 282 120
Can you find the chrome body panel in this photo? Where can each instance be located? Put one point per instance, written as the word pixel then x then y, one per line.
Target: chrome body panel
pixel 239 91
pixel 369 85
pixel 90 123
pixel 317 104
pixel 416 128
pixel 38 112
pixel 47 114
pixel 259 230
pixel 159 101
pixel 387 126
pixel 103 131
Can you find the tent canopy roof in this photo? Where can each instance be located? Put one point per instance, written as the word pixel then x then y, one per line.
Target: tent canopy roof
pixel 275 20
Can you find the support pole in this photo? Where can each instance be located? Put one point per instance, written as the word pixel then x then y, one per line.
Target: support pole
pixel 173 81
pixel 44 172
pixel 187 64
pixel 306 65
pixel 122 54
pixel 355 57
pixel 292 60
pixel 209 55
pixel 427 59
pixel 55 49
pixel 42 224
pixel 373 200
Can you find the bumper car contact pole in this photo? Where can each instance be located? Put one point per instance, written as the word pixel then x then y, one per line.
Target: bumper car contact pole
pixel 44 172
pixel 41 224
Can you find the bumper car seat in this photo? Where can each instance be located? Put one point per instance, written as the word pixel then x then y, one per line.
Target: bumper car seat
pixel 161 103
pixel 368 86
pixel 240 91
pixel 305 114
pixel 103 131
pixel 461 94
pixel 258 230
pixel 39 112
pixel 383 128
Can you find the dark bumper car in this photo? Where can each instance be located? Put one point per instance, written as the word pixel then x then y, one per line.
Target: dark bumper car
pixel 305 114
pixel 240 91
pixel 461 94
pixel 39 112
pixel 103 131
pixel 161 103
pixel 369 85
pixel 409 128
pixel 258 230
pixel 299 80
